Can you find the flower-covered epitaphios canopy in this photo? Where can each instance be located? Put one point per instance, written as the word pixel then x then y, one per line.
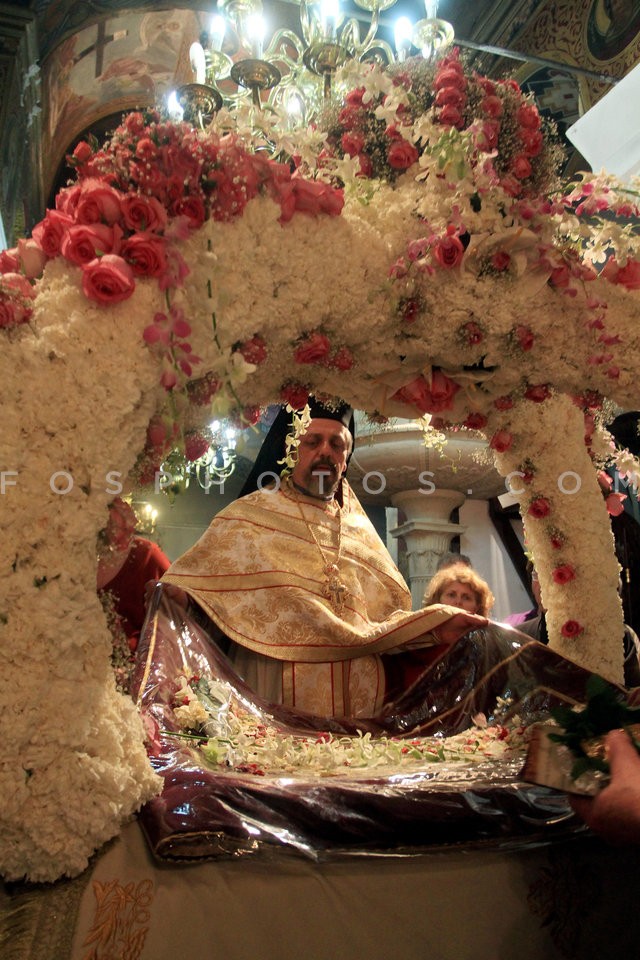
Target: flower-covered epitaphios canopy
pixel 420 259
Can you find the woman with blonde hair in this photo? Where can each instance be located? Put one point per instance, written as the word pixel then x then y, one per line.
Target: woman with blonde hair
pixel 459 586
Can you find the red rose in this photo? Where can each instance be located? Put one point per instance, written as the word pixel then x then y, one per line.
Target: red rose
pixel 49 233
pixel 451 95
pixel 520 167
pixel 82 152
pixel 351 116
pixel 476 421
pixel 451 75
pixel 503 403
pixel 401 155
pixel 342 359
pixel 501 260
pixel 84 242
pixel 501 441
pixel 19 283
pixel 108 279
pixel 98 203
pixel 195 446
pixel 295 395
pixel 203 390
pixel 354 97
pixel 313 349
pixel 448 251
pixel 571 628
pixel 564 574
pixel 366 166
pixel 429 399
pixel 527 116
pixel 557 541
pixel 492 106
pixel 146 252
pixel 525 337
pixel 486 137
pixel 539 508
pixel 531 141
pixel 473 333
pixel 254 350
pixel 250 416
pixel 450 116
pixel 314 197
pixel 352 143
pixel 538 393
pixel 191 207
pixel 143 213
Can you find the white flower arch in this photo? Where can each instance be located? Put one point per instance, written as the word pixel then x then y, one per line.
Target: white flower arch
pixel 355 303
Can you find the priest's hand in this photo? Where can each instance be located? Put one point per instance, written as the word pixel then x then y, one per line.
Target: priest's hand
pixel 456 627
pixel 615 812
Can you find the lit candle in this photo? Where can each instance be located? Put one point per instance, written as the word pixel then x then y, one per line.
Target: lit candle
pixel 402 33
pixel 329 13
pixel 217 31
pixel 173 107
pixel 431 8
pixel 198 61
pixel 255 34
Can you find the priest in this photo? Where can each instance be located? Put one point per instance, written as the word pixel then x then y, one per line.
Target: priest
pixel 300 588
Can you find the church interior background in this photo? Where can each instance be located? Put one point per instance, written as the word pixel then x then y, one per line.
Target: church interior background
pixel 70 68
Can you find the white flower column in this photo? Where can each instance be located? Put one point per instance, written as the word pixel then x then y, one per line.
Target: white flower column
pixel 427 532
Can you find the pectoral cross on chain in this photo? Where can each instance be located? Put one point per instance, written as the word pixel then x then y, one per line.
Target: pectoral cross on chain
pixel 334 589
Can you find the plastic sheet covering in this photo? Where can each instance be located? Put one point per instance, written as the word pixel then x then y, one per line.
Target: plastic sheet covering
pixel 211 811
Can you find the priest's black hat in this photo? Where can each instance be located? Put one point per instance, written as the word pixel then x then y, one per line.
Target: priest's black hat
pixel 274 446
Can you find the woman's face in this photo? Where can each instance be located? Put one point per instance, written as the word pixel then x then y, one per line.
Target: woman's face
pixel 458 594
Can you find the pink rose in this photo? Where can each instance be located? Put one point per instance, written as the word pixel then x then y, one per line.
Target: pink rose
pixel 32 258
pixel 539 508
pixel 538 392
pixel 571 628
pixel 448 251
pixel 628 276
pixel 314 197
pixel 146 252
pixel 352 143
pixel 13 312
pixel 98 203
pixel 501 441
pixel 82 152
pixel 19 283
pixel 295 394
pixel 313 349
pixel 84 242
pixel 143 213
pixel 49 233
pixel 67 199
pixel 564 574
pixel 429 399
pixel 9 261
pixel 615 504
pixel 108 279
pixel 487 135
pixel 520 167
pixel 401 155
pixel 451 76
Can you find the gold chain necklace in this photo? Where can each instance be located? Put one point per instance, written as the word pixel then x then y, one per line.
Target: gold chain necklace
pixel 333 589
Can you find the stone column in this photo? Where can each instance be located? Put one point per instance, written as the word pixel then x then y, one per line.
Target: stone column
pixel 427 531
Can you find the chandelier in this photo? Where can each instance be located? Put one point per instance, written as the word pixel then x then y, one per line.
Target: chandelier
pixel 293 71
pixel 211 468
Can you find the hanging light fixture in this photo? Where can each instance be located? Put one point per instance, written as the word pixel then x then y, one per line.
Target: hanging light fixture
pixel 294 70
